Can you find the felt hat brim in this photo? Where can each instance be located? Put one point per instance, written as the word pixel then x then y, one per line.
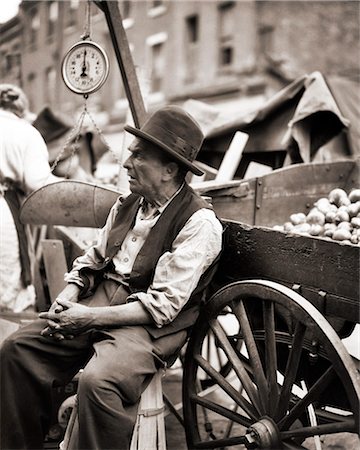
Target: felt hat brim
pixel 148 137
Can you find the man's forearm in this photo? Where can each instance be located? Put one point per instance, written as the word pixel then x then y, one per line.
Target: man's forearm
pixel 121 315
pixel 70 292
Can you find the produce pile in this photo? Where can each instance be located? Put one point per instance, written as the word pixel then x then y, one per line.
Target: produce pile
pixel 334 217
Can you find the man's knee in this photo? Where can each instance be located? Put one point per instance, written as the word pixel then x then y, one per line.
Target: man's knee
pixel 96 385
pixel 9 346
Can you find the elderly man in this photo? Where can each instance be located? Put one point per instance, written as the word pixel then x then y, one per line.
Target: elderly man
pixel 130 300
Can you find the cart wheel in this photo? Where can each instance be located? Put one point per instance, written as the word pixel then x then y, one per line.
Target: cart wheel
pixel 291 378
pixel 213 353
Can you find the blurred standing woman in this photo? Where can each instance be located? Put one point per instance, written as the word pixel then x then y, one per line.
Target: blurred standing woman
pixel 24 167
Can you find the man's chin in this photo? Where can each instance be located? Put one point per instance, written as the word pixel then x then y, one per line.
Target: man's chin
pixel 133 186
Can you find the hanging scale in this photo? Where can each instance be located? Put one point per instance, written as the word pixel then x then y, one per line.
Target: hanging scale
pixel 84 69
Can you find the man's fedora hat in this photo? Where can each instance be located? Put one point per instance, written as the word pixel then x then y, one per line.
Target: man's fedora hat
pixel 52 126
pixel 172 129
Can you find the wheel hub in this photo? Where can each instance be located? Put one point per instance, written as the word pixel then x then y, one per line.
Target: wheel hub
pixel 263 434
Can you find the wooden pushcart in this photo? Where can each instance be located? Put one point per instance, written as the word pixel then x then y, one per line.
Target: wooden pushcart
pixel 266 354
pixel 270 338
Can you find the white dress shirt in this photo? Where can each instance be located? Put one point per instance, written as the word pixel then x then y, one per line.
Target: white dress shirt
pixel 178 271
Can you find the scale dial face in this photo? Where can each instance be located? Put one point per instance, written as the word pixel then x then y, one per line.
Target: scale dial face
pixel 85 67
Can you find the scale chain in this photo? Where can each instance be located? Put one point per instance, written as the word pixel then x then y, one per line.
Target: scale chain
pixel 74 137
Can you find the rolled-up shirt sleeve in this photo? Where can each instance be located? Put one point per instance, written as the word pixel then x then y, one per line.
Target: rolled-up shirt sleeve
pixel 179 270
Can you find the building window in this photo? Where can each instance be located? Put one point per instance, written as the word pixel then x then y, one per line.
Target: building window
pixel 157 67
pixel 50 85
pixel 156 3
pixel 156 8
pixel 156 60
pixel 125 9
pixel 34 27
pixel 226 33
pixel 226 56
pixel 192 28
pixel 191 46
pixel 72 12
pixel 53 13
pixel 31 91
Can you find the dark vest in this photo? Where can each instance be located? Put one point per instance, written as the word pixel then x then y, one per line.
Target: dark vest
pixel 159 241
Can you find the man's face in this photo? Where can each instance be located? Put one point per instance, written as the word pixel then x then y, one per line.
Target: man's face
pixel 145 170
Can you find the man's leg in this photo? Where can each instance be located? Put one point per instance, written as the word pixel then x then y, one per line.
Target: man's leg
pixel 112 382
pixel 30 366
pixel 110 388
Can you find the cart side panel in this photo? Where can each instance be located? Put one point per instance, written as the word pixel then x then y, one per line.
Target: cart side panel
pixel 325 272
pixel 296 189
pixel 271 199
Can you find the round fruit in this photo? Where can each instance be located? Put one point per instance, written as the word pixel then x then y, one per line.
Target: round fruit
pixel 337 195
pixel 355 222
pixel 298 218
pixel 354 195
pixel 323 205
pixel 341 235
pixel 342 216
pixel 315 217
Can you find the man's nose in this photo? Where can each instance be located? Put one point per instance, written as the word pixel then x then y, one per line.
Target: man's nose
pixel 127 163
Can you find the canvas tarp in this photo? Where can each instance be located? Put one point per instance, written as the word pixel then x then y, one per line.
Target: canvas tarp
pixel 313 111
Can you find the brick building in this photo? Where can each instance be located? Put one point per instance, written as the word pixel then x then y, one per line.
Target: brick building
pixel 231 54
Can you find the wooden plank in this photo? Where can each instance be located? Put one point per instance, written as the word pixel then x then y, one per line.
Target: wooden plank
pixel 232 157
pixel 327 269
pixel 125 61
pixel 55 266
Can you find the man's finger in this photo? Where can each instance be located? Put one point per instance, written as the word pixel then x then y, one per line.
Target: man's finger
pixel 58 336
pixel 47 331
pixel 49 316
pixel 54 325
pixel 64 303
pixel 58 309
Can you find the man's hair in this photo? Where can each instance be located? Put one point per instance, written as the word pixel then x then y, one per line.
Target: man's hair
pixel 13 99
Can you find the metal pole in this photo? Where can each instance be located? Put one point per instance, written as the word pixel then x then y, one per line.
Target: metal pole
pixel 124 58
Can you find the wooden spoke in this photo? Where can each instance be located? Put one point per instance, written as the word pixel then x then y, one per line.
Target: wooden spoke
pixel 344 426
pixel 271 358
pixel 226 386
pixel 291 370
pixel 254 357
pixel 237 364
pixel 311 396
pixel 221 410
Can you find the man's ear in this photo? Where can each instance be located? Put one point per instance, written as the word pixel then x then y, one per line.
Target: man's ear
pixel 171 170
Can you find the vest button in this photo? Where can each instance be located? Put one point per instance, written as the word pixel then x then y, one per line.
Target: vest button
pixel 134 239
pixel 117 244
